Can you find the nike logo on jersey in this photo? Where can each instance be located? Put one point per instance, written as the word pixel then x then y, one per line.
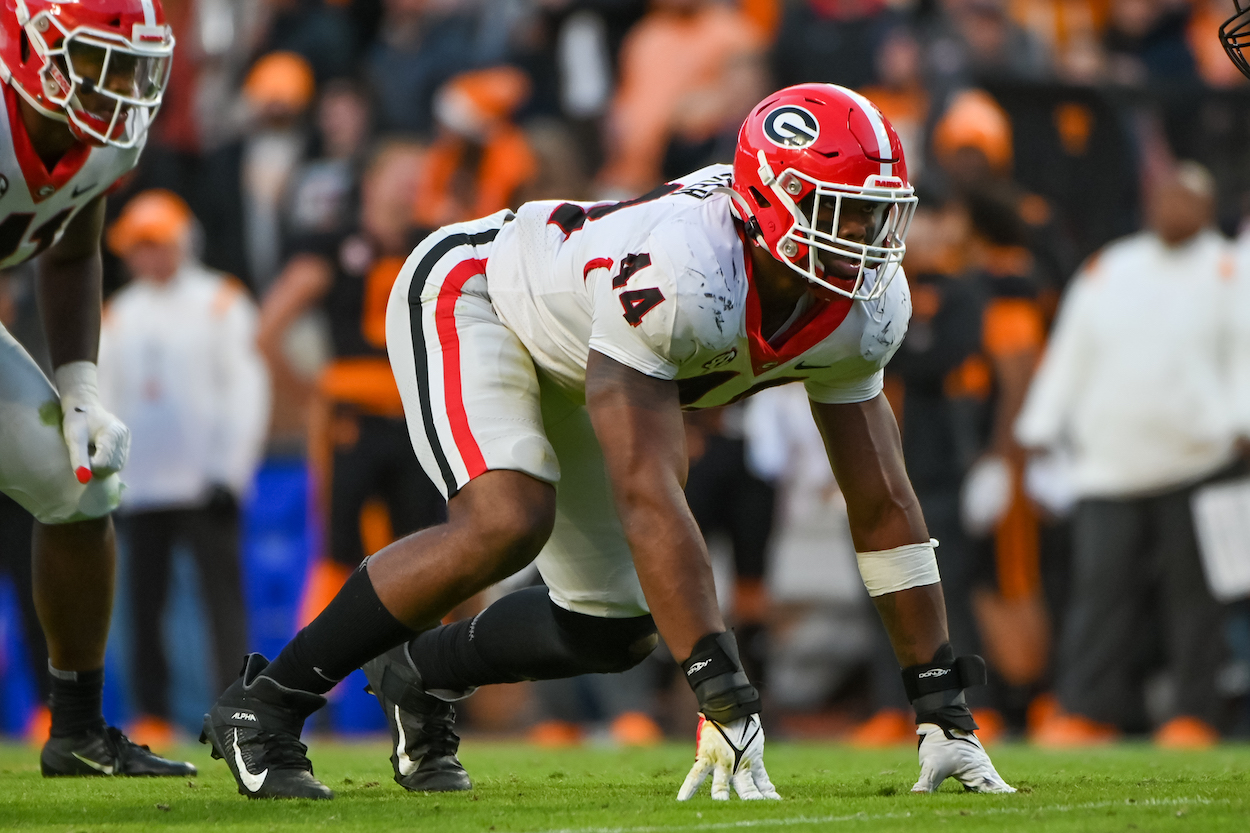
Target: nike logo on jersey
pixel 107 769
pixel 407 765
pixel 806 366
pixel 252 780
pixel 79 190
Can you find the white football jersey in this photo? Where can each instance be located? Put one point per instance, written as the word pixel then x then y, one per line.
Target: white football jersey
pixel 660 284
pixel 36 204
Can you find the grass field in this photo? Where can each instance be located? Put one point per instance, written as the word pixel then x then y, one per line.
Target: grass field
pixel 595 790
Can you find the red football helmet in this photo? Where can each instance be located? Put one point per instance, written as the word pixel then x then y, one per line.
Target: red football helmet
pixel 806 154
pixel 99 65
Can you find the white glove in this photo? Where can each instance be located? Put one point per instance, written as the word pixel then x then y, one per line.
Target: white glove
pixel 98 442
pixel 950 753
pixel 731 751
pixel 985 495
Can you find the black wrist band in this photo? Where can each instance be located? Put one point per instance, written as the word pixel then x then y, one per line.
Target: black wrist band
pixel 715 673
pixel 936 688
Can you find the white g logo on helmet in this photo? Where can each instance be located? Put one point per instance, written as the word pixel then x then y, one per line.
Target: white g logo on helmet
pixel 791 127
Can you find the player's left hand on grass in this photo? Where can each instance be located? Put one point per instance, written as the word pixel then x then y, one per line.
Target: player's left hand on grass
pixel 98 442
pixel 731 752
pixel 951 753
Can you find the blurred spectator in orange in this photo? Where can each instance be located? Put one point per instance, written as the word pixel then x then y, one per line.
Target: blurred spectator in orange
pixel 1070 30
pixel 689 72
pixel 1001 580
pixel 371 487
pixel 322 196
pixel 243 184
pixel 178 357
pixel 973 147
pixel 421 44
pixel 479 159
pixel 900 94
pixel 1136 386
pixel 1146 41
pixel 836 41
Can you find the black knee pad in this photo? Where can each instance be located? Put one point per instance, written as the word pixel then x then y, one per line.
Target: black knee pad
pixel 525 636
pixel 607 646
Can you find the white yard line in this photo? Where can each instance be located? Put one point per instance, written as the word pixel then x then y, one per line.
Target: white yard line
pixel 953 811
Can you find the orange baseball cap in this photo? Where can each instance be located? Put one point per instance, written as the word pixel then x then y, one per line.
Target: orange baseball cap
pixel 156 216
pixel 974 119
pixel 280 78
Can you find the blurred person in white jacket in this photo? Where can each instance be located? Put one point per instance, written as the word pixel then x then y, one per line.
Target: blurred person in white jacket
pixel 179 361
pixel 1139 385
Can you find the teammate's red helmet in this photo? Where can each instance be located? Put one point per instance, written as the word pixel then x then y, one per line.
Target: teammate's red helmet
pixel 99 65
pixel 810 146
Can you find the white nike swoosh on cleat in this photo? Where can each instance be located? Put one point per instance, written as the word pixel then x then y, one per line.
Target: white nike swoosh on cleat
pixel 407 765
pixel 253 781
pixel 107 769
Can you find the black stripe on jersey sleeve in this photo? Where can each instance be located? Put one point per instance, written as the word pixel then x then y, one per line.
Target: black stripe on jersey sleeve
pixel 419 278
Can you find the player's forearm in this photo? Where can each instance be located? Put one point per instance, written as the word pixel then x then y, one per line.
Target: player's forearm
pixel 915 620
pixel 673 566
pixel 70 298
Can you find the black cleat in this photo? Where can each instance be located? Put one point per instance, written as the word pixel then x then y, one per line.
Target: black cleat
pixel 106 751
pixel 255 727
pixel 422 730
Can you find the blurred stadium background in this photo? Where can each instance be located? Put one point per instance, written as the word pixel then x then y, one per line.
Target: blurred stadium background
pixel 306 137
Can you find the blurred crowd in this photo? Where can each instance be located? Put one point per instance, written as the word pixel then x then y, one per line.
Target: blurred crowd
pixel 1067 153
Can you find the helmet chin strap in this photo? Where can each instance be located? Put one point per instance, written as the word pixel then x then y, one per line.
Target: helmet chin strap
pixel 742 210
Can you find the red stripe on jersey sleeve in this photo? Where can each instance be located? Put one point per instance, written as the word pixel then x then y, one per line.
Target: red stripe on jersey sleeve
pixel 596 263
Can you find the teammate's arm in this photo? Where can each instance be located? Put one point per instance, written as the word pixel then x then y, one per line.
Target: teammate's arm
pixel 896 560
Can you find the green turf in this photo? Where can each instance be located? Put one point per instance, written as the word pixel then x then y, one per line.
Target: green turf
pixel 520 788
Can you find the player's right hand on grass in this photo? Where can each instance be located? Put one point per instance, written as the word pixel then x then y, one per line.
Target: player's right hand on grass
pixel 951 753
pixel 731 752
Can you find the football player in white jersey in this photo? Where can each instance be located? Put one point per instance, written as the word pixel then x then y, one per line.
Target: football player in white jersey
pixel 544 358
pixel 82 82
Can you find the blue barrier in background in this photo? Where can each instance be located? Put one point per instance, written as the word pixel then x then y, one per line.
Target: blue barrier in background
pixel 280 537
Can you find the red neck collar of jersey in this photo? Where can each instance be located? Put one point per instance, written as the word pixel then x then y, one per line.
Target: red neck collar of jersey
pixel 811 328
pixel 38 178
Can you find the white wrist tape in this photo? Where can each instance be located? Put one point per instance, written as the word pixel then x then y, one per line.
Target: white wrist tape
pixel 78 381
pixel 889 571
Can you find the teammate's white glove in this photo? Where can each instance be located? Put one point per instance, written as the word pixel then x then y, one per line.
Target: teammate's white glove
pixel 950 753
pixel 731 751
pixel 98 442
